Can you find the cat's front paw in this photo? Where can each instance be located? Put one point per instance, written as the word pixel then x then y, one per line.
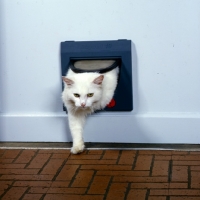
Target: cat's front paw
pixel 77 148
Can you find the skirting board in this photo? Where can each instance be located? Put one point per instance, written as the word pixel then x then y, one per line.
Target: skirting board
pixel 104 127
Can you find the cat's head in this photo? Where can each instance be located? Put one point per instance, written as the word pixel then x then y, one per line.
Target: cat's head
pixel 83 90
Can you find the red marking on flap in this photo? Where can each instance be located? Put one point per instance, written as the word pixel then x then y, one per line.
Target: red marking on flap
pixel 111 104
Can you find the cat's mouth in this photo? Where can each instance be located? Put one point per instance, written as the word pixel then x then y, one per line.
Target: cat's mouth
pixel 83 107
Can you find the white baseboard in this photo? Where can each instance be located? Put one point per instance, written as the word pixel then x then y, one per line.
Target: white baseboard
pixel 104 127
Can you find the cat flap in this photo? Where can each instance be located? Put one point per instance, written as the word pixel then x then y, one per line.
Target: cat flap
pixel 100 66
pixel 103 55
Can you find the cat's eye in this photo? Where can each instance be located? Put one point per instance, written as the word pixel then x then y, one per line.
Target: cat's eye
pixel 90 94
pixel 76 95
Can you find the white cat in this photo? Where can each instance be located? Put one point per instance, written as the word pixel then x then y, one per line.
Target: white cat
pixel 83 94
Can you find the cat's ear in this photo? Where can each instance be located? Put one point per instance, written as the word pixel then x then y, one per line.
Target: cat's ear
pixel 99 80
pixel 67 81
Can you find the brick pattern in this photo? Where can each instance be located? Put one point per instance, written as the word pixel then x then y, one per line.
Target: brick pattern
pixel 99 175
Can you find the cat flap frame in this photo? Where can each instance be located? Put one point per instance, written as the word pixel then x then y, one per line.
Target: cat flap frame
pixel 101 50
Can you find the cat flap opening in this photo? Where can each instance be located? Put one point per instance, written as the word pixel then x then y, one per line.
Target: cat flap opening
pixel 102 55
pixel 100 66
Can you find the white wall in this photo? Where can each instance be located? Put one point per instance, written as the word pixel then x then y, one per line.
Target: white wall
pixel 166 68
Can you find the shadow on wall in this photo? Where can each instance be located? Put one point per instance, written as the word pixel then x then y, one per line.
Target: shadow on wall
pixel 120 129
pixel 139 132
pixel 135 78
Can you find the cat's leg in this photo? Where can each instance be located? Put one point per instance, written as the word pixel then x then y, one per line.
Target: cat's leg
pixel 76 124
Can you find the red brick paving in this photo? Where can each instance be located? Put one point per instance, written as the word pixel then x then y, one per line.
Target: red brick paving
pixel 99 175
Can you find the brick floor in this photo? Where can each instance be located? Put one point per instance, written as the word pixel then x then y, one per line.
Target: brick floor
pixel 99 175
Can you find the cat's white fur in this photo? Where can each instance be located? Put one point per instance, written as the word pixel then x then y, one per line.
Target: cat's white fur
pixel 102 86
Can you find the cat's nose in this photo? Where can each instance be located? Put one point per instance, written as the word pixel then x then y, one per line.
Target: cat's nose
pixel 83 104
